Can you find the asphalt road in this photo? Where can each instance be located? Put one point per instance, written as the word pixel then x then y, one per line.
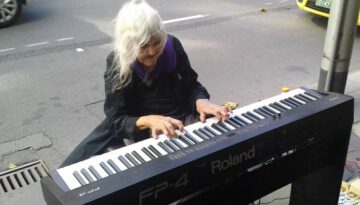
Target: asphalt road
pixel 52 62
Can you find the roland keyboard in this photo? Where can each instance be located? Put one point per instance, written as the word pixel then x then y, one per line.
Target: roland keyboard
pixel 207 155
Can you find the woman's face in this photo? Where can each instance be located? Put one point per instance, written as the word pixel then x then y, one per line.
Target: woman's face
pixel 150 52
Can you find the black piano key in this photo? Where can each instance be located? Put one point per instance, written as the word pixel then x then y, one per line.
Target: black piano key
pixel 188 135
pixel 223 125
pixel 124 161
pixel 155 151
pixel 177 143
pixel 186 140
pixel 306 97
pixel 138 157
pixel 207 133
pixel 286 103
pixel 201 135
pixel 253 115
pixel 87 175
pixel 79 178
pixel 113 165
pixel 297 103
pixel 279 106
pixel 302 98
pixel 248 117
pixel 232 123
pixel 241 120
pixel 297 100
pixel 269 110
pixel 171 145
pixel 148 153
pixel 106 168
pixel 164 147
pixel 94 172
pixel 131 159
pixel 311 95
pixel 233 119
pixel 262 113
pixel 218 128
pixel 211 130
pixel 291 102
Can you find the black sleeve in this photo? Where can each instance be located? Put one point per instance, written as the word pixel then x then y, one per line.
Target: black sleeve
pixel 116 105
pixel 191 86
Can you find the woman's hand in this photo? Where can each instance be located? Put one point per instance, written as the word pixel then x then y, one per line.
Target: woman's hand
pixel 160 124
pixel 204 107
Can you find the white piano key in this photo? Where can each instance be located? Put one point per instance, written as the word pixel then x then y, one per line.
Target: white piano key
pixel 157 147
pixel 308 96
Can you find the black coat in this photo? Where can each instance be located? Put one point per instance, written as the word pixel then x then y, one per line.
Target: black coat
pixel 121 106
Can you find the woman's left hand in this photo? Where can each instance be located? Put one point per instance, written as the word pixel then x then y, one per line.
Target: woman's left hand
pixel 204 107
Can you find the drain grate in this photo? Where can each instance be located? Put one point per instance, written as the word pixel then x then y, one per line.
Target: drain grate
pixel 22 176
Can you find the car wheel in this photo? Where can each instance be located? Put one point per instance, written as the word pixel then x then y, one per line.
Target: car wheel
pixel 10 11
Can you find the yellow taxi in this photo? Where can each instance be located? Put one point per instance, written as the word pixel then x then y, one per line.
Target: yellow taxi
pixel 318 7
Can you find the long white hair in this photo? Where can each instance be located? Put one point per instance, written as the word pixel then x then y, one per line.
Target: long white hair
pixel 135 23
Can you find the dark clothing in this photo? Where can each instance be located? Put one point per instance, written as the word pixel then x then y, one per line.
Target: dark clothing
pixel 173 93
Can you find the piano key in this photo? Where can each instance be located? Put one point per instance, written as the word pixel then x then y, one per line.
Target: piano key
pixel 186 140
pixel 212 130
pixel 193 137
pixel 306 97
pixel 218 128
pixel 98 169
pixel 113 165
pixel 207 133
pixel 87 175
pixel 181 143
pixel 278 107
pixel 301 102
pixel 160 149
pixel 106 168
pixel 289 103
pixel 198 133
pixel 226 126
pixel 284 105
pixel 155 151
pixel 171 145
pixel 94 172
pixel 311 95
pixel 131 159
pixel 79 178
pixel 293 102
pixel 177 143
pixel 148 153
pixel 253 114
pixel 262 113
pixel 250 118
pixel 271 110
pixel 138 157
pixel 125 161
pixel 302 98
pixel 166 148
pixel 266 110
pixel 243 119
pixel 283 102
pixel 232 123
pixel 233 119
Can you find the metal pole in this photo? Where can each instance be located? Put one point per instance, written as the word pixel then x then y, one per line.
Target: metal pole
pixel 338 46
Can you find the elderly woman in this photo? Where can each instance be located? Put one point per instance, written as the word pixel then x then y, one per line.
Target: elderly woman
pixel 149 84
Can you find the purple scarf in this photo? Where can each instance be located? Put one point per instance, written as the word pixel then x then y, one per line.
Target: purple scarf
pixel 166 62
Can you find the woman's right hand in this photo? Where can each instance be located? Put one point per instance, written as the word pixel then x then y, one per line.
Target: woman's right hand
pixel 160 124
